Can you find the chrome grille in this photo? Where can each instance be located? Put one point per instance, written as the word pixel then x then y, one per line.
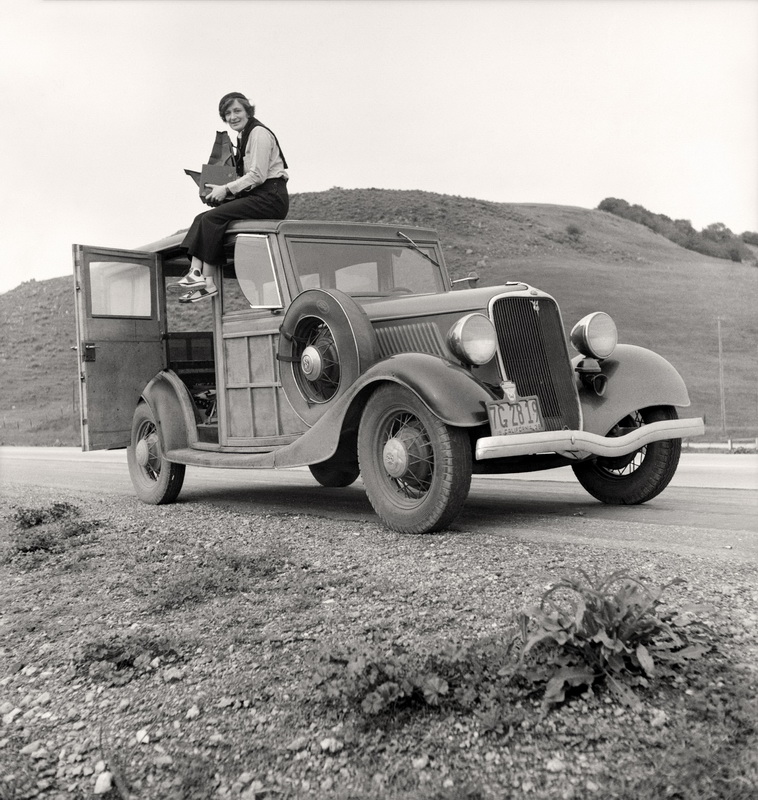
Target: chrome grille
pixel 533 348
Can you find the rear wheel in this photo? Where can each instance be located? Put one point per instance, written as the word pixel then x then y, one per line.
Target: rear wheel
pixel 156 480
pixel 416 469
pixel 636 477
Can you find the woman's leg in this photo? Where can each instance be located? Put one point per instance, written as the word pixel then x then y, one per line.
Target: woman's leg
pixel 195 277
pixel 209 273
pixel 204 240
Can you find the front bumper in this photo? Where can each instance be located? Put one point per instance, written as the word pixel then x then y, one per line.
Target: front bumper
pixel 580 445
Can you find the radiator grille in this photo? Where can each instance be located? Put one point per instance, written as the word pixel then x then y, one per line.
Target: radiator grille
pixel 533 347
pixel 417 337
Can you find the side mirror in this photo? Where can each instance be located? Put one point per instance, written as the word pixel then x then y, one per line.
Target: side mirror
pixel 471 279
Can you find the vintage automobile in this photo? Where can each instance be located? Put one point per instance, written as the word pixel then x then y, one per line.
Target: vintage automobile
pixel 347 348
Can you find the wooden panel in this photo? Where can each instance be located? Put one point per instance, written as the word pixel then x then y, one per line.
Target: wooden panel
pixel 240 413
pixel 261 360
pixel 235 355
pixel 290 421
pixel 264 413
pixel 257 406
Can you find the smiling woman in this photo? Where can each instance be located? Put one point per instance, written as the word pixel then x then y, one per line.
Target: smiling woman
pixel 258 192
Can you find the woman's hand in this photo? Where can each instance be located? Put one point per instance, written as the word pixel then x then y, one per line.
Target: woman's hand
pixel 216 195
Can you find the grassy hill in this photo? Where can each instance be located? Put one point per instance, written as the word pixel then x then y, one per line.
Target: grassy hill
pixel 661 296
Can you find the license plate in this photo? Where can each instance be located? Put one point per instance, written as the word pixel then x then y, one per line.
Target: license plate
pixel 523 416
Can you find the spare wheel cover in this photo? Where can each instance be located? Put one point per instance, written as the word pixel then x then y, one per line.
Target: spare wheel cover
pixel 325 343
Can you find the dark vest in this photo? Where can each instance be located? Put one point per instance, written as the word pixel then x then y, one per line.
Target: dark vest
pixel 239 158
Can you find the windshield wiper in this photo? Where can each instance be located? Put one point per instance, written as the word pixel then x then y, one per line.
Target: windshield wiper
pixel 418 249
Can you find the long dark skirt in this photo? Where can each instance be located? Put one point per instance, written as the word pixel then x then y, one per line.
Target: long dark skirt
pixel 205 237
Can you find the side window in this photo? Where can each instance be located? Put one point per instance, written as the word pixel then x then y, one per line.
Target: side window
pixel 120 289
pixel 254 269
pixel 232 297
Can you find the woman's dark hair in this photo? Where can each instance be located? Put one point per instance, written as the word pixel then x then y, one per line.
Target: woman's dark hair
pixel 228 99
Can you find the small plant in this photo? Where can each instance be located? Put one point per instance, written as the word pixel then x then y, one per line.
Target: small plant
pixel 609 630
pixel 574 231
pixel 40 531
pixel 31 517
pixel 115 660
pixel 584 632
pixel 464 678
pixel 222 574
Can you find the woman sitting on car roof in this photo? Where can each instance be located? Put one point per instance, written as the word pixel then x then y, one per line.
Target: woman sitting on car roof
pixel 259 192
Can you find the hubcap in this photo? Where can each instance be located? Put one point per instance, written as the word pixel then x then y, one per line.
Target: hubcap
pixel 142 452
pixel 407 456
pixel 317 368
pixel 395 458
pixel 311 363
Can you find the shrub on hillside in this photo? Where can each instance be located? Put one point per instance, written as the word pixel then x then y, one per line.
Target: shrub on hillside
pixel 716 240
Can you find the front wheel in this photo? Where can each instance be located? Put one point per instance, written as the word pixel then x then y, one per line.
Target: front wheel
pixel 636 477
pixel 156 480
pixel 416 469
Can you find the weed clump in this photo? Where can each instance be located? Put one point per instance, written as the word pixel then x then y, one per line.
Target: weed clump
pixel 31 517
pixel 45 530
pixel 583 633
pixel 457 678
pixel 221 574
pixel 116 659
pixel 610 629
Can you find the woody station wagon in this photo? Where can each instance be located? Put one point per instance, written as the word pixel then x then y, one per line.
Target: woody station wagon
pixel 347 348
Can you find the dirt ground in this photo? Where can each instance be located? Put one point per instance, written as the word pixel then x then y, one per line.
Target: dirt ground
pixel 179 652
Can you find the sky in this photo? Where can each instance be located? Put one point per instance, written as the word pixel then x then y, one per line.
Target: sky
pixel 106 102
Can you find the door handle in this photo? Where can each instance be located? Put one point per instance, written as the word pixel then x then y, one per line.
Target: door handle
pixel 88 351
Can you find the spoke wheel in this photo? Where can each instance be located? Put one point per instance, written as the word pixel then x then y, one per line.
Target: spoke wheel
pixel 318 364
pixel 326 342
pixel 416 469
pixel 155 479
pixel 635 477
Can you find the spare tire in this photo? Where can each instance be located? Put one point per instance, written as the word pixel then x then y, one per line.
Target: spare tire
pixel 325 343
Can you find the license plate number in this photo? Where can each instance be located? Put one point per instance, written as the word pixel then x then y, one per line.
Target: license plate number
pixel 523 416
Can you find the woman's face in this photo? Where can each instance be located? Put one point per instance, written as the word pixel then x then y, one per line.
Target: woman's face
pixel 236 117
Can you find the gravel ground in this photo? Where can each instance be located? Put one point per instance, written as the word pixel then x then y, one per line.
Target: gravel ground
pixel 171 652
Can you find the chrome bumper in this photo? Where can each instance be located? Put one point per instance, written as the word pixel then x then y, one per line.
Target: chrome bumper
pixel 579 445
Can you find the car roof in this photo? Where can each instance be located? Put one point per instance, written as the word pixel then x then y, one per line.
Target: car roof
pixel 170 245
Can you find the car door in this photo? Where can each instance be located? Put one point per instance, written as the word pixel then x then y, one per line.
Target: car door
pixel 119 339
pixel 253 409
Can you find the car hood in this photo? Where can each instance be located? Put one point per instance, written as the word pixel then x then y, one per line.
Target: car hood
pixel 420 305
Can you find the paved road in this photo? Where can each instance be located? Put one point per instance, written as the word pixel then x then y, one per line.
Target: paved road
pixel 711 504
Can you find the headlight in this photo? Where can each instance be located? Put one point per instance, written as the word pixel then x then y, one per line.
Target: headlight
pixel 595 335
pixel 473 339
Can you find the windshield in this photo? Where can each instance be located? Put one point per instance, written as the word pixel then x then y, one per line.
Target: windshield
pixel 365 269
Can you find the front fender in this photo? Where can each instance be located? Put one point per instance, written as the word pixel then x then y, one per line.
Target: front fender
pixel 445 388
pixel 172 408
pixel 637 378
pixel 449 391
